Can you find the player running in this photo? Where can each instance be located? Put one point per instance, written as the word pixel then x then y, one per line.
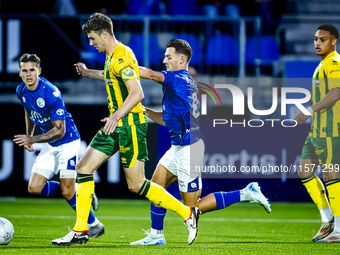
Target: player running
pixel 181 117
pixel 322 146
pixel 45 108
pixel 125 130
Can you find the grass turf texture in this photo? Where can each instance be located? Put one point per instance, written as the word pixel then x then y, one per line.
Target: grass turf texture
pixel 242 228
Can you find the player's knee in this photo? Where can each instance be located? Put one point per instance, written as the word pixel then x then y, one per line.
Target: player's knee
pixel 67 192
pixel 301 174
pixel 134 188
pixel 35 189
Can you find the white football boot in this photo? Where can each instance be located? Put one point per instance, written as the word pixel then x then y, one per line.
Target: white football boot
pixel 192 224
pixel 151 239
pixel 253 194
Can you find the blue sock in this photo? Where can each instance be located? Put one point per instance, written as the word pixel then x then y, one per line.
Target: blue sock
pixel 225 199
pixel 50 189
pixel 157 217
pixel 72 203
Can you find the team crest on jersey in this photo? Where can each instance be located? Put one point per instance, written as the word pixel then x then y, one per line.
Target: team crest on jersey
pixel 56 94
pixel 40 102
pixel 23 99
pixel 60 111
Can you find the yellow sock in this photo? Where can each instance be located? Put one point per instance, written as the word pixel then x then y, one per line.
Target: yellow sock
pixel 333 188
pixel 84 199
pixel 159 196
pixel 316 190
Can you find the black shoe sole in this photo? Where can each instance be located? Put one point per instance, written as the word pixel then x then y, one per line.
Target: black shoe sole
pixel 81 241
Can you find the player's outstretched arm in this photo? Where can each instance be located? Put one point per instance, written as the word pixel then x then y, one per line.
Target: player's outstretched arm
pixel 328 100
pixel 155 116
pixel 84 71
pixel 58 131
pixel 135 96
pixel 147 73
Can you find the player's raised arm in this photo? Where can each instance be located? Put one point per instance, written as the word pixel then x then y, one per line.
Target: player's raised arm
pixel 58 131
pixel 91 73
pixel 147 73
pixel 155 116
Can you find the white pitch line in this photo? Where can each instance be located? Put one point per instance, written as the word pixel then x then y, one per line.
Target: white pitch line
pixel 171 218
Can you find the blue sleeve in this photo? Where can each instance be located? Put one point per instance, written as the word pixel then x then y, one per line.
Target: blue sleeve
pixel 18 93
pixel 168 79
pixel 57 107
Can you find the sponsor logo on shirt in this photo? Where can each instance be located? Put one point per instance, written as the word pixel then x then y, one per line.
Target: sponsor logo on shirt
pixel 121 61
pixel 60 111
pixel 40 102
pixel 36 117
pixel 334 70
pixel 192 129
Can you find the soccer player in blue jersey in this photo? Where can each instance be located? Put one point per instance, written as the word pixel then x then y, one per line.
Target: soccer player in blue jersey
pixel 181 117
pixel 45 108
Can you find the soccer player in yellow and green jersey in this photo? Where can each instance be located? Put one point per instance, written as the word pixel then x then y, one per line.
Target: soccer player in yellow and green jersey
pixel 125 130
pixel 322 146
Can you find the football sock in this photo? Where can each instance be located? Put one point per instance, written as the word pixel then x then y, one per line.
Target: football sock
pixel 333 188
pixel 51 188
pixel 84 198
pixel 157 217
pixel 326 214
pixel 317 191
pixel 159 196
pixel 72 203
pixel 225 199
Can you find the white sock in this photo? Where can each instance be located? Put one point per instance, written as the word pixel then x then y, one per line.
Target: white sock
pixel 96 221
pixel 337 223
pixel 242 196
pixel 156 232
pixel 326 214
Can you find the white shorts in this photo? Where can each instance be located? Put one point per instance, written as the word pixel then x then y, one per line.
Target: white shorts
pixel 178 161
pixel 62 158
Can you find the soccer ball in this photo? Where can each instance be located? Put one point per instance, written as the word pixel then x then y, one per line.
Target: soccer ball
pixel 6 231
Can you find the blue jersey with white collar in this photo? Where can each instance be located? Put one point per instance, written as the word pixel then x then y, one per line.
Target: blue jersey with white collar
pixel 44 105
pixel 181 107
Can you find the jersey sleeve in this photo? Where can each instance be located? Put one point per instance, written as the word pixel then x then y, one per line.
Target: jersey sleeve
pixel 333 74
pixel 57 107
pixel 168 81
pixel 18 92
pixel 123 66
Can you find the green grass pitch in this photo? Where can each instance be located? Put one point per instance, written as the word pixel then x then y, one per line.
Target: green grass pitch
pixel 242 228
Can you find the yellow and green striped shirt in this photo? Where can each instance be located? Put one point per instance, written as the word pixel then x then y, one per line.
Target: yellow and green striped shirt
pixel 326 123
pixel 120 68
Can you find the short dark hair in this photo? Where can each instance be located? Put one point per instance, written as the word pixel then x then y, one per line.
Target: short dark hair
pixel 29 58
pixel 98 23
pixel 331 29
pixel 181 47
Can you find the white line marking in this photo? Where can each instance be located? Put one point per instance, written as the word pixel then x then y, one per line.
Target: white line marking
pixel 170 218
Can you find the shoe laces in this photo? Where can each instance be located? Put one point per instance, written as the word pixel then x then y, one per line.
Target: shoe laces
pixel 147 232
pixel 69 229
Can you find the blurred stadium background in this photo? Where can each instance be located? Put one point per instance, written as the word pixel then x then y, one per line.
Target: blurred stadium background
pixel 256 43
